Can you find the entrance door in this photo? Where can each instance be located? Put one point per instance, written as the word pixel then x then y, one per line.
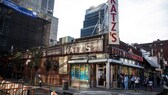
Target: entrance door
pixel 101 75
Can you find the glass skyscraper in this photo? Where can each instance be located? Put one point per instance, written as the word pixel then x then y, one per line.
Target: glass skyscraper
pixel 95 20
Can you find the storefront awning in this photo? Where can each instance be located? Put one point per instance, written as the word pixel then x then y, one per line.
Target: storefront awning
pixel 126 64
pixel 115 61
pixel 105 61
pixel 152 63
pixel 132 65
pixel 97 60
pixel 78 61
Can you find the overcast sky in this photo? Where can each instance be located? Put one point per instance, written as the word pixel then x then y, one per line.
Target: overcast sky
pixel 140 21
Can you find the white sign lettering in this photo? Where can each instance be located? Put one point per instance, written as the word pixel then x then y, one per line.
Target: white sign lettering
pixel 114 38
pixel 113 22
pixel 91 46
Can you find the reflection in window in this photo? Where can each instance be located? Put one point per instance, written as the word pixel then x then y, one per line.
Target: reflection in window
pixel 80 71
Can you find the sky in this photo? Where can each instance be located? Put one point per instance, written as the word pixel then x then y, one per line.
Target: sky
pixel 140 21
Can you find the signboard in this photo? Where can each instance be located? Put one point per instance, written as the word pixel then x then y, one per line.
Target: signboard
pixel 54 51
pixel 18 8
pixel 81 47
pixel 113 22
pixel 84 47
pixel 114 38
pixel 63 65
pixel 122 53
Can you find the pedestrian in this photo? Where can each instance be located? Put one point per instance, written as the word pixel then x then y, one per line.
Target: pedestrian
pixel 145 83
pixel 126 82
pixel 40 83
pixel 137 79
pixel 40 80
pixel 132 82
pixel 53 93
pixel 120 81
pixel 158 81
pixel 150 83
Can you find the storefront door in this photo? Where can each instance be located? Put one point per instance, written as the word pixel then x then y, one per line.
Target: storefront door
pixel 101 75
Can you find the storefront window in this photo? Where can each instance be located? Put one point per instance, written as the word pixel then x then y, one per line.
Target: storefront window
pixel 82 72
pixel 80 75
pixel 115 70
pixel 132 71
pixel 86 72
pixel 72 71
pixel 77 71
pixel 124 70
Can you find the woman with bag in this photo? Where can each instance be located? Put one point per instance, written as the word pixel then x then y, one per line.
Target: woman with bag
pixel 137 79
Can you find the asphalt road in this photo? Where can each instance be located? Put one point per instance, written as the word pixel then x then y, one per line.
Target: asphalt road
pixel 97 91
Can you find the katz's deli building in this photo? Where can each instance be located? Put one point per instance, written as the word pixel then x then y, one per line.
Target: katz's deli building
pixel 89 62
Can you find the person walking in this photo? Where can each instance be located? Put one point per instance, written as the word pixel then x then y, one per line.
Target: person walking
pixel 150 83
pixel 158 81
pixel 145 83
pixel 132 82
pixel 126 82
pixel 120 81
pixel 137 79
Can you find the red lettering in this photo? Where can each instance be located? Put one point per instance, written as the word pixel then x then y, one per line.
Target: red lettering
pixel 114 39
pixel 113 26
pixel 113 16
pixel 112 1
pixel 113 8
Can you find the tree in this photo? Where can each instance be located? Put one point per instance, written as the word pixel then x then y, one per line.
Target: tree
pixel 16 62
pixel 36 54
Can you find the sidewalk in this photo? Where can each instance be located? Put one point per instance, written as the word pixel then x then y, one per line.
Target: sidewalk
pixel 45 90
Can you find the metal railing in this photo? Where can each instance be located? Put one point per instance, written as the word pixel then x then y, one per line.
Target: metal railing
pixel 13 88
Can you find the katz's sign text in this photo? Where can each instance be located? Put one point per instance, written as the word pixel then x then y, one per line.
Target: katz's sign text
pixel 113 22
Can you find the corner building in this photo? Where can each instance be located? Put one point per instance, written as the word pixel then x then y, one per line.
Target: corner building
pixel 90 62
pixel 159 49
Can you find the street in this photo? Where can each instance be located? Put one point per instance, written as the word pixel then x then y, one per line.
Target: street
pixel 94 91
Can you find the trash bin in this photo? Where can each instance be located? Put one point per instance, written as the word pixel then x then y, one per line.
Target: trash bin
pixel 65 84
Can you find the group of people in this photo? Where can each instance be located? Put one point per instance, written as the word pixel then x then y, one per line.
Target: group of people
pixel 133 82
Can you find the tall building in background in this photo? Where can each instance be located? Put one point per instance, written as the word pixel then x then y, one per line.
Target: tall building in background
pixel 39 6
pixel 53 31
pixel 95 20
pixel 44 9
pixel 21 29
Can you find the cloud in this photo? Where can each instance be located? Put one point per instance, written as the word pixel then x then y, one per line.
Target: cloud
pixel 71 15
pixel 142 20
pixel 139 20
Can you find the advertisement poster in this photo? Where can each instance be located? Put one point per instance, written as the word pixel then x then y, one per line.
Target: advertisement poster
pixel 63 65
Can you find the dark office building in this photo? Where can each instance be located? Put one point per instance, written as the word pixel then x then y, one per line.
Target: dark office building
pixel 19 31
pixel 47 6
pixel 44 9
pixel 94 21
